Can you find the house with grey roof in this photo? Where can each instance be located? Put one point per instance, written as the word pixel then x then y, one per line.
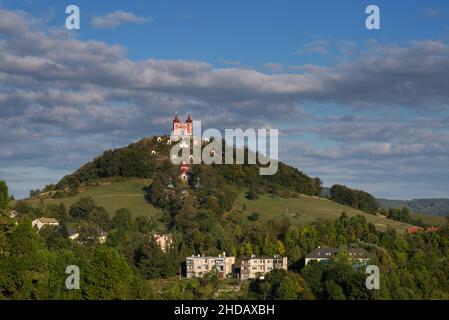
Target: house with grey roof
pixel 325 253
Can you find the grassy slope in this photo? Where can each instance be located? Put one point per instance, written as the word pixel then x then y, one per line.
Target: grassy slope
pixel 119 193
pixel 113 195
pixel 306 209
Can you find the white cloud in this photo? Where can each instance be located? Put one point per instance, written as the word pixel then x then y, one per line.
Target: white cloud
pixel 315 47
pixel 112 20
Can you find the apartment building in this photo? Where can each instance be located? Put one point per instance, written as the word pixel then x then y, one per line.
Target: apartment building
pixel 253 267
pixel 198 266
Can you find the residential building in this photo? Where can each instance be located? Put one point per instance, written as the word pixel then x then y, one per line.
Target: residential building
pixel 415 229
pixel 324 254
pixel 102 235
pixel 198 266
pixel 89 236
pixel 73 233
pixel 253 267
pixel 42 222
pixel 164 241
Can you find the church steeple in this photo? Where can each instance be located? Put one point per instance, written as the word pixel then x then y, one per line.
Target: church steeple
pixel 181 128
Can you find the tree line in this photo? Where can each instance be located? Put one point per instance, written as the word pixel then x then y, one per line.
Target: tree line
pixel 357 199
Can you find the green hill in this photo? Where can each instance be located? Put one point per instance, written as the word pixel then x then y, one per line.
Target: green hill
pixel 305 209
pixel 149 157
pixel 436 207
pixel 135 177
pixel 112 194
pixel 116 193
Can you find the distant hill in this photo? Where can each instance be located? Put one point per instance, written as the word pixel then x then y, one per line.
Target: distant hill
pixel 437 207
pixel 434 207
pixel 326 192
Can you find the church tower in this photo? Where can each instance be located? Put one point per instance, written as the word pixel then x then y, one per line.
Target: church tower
pixel 182 129
pixel 175 123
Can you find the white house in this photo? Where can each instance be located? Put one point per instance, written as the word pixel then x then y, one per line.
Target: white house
pixel 73 233
pixel 42 222
pixel 198 266
pixel 164 241
pixel 102 235
pixel 253 266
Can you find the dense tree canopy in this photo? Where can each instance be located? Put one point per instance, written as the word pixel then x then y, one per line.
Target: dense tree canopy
pixel 4 196
pixel 355 198
pixel 201 220
pixel 137 160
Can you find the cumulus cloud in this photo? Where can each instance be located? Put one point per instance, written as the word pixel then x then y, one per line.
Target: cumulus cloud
pixel 315 47
pixel 114 19
pixel 72 99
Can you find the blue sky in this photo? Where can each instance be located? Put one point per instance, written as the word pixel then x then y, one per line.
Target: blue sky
pixel 252 32
pixel 364 108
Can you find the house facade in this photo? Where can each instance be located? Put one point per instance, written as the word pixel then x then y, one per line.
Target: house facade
pixel 253 267
pixel 102 236
pixel 164 241
pixel 42 222
pixel 324 254
pixel 198 266
pixel 73 233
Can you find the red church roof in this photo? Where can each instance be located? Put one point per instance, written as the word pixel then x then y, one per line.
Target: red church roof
pixel 176 118
pixel 189 120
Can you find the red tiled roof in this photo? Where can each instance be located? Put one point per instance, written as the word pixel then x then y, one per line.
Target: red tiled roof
pixel 414 229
